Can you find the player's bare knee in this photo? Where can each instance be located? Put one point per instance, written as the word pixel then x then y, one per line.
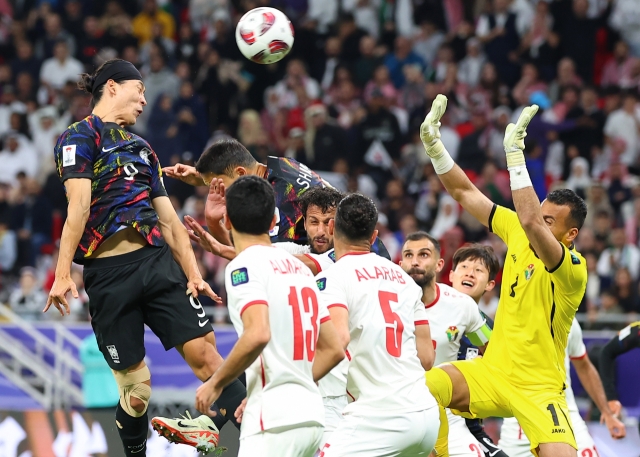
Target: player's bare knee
pixel 135 390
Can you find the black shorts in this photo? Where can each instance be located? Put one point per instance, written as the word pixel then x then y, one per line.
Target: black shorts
pixel 146 286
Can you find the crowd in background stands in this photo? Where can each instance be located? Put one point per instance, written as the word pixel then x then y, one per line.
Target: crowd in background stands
pixel 348 102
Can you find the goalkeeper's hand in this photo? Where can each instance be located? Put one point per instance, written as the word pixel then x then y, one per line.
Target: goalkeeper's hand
pixel 514 137
pixel 430 128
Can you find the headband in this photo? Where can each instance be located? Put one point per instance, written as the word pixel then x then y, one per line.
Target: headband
pixel 119 70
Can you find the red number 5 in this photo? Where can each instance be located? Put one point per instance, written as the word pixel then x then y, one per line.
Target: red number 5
pixel 308 340
pixel 394 326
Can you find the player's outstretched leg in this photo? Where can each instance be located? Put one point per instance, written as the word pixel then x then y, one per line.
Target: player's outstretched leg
pixel 134 385
pixel 202 432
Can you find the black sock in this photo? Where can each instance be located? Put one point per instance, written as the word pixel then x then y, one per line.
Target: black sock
pixel 133 432
pixel 226 406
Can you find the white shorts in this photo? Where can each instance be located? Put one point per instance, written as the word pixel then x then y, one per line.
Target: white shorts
pixel 333 407
pixel 515 443
pixel 411 434
pixel 287 442
pixel 461 442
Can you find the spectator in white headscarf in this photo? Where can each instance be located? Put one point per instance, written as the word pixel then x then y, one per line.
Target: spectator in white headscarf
pixel 579 179
pixel 447 217
pixel 17 156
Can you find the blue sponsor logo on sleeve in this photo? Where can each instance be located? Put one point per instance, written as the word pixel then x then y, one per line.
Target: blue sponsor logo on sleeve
pixel 239 276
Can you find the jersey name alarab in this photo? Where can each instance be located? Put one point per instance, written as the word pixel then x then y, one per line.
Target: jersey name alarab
pixel 125 176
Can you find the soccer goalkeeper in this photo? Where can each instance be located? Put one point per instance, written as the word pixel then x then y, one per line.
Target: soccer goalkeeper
pixel 522 372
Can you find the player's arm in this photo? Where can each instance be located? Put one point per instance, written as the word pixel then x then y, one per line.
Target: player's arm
pixel 626 340
pixel 79 195
pixel 590 380
pixel 176 236
pixel 207 242
pixel 255 337
pixel 453 178
pixel 184 173
pixel 525 199
pixel 424 345
pixel 329 350
pixel 479 330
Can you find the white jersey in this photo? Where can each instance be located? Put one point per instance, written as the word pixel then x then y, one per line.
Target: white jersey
pixel 323 261
pixel 452 315
pixel 512 439
pixel 384 304
pixel 280 387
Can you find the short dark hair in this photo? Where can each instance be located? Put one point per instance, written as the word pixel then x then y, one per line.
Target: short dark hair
pixel 223 156
pixel 87 81
pixel 577 206
pixel 485 254
pixel 420 235
pixel 251 204
pixel 356 217
pixel 325 198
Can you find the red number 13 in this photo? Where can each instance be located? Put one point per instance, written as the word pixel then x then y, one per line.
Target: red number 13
pixel 394 326
pixel 308 339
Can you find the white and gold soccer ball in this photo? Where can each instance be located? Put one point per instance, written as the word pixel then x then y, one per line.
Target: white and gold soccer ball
pixel 264 35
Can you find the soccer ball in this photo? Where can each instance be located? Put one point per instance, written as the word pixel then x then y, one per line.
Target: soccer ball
pixel 264 35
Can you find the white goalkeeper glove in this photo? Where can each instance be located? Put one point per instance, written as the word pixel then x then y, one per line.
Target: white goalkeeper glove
pixel 430 136
pixel 514 148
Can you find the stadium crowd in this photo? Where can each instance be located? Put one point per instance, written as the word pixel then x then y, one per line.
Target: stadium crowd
pixel 347 102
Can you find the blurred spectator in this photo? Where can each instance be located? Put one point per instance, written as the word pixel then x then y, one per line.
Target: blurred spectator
pixel 349 34
pixel 470 68
pixel 472 153
pixel 597 203
pixel 494 185
pixel 365 14
pixel 381 81
pixel 368 61
pixel 501 118
pixel 60 68
pixel 592 293
pixel 412 95
pixel 529 83
pixel 578 33
pixel 632 224
pixel 25 61
pixel 326 65
pixel 625 289
pixel 324 13
pixel 396 204
pixel 428 41
pixel 346 106
pixel 163 136
pixel 54 33
pixel 621 254
pixel 327 142
pixel 32 222
pixel 618 190
pixel 28 299
pixel 539 44
pixel 8 247
pixel 618 68
pixel 402 55
pixel 579 179
pixel 295 86
pixel 295 145
pixel 621 131
pixel 17 156
pixel 609 303
pixel 92 40
pixel 143 23
pixel 625 19
pixel 160 80
pixel 446 217
pixel 46 127
pixel 72 19
pixel 191 118
pixel 378 124
pixel 565 77
pixel 497 31
pixel 250 131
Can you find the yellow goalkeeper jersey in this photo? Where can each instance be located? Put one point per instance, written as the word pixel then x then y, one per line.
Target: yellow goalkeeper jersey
pixel 536 308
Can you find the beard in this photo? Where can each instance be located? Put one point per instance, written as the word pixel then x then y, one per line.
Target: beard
pixel 315 249
pixel 422 277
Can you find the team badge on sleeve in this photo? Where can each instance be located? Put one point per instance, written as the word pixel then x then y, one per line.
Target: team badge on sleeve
pixel 322 283
pixel 239 276
pixel 69 155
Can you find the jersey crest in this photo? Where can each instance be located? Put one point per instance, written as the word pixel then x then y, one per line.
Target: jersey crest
pixel 452 333
pixel 529 272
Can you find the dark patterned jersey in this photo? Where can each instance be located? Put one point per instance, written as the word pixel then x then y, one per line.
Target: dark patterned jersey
pixel 125 176
pixel 290 179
